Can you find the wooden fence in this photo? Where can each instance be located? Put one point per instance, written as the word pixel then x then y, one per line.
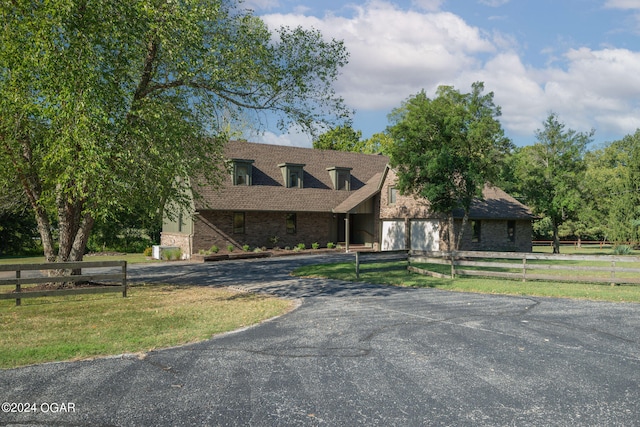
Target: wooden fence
pixel 612 269
pixel 67 268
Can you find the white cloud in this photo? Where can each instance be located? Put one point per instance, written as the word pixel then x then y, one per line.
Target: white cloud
pixel 395 53
pixel 428 5
pixel 494 3
pixel 623 4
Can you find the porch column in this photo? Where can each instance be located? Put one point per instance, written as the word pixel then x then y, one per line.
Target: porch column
pixel 346 232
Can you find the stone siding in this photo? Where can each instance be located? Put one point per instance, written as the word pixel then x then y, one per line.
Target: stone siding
pixel 181 240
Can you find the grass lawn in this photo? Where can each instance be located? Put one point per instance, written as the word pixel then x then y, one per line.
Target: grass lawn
pixel 395 273
pixel 151 317
pixel 130 258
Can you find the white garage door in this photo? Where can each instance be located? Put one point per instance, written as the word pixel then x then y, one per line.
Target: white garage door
pixel 393 235
pixel 425 235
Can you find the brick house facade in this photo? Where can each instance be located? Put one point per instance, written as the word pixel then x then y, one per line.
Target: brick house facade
pixel 283 196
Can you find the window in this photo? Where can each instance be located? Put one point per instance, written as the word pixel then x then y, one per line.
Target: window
pixel 293 179
pixel 292 226
pixel 340 177
pixel 393 195
pixel 238 223
pixel 475 231
pixel 292 174
pixel 242 171
pixel 511 231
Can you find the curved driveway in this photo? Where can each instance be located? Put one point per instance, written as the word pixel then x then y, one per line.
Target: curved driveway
pixel 357 354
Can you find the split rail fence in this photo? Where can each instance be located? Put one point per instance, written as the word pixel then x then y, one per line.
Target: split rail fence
pixel 525 266
pixel 613 269
pixel 67 276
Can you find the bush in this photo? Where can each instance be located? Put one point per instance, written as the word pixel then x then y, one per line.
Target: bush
pixel 214 249
pixel 315 245
pixel 246 248
pixel 301 246
pixel 622 250
pixel 172 254
pixel 257 250
pixel 148 251
pixel 287 248
pixel 230 248
pixel 331 245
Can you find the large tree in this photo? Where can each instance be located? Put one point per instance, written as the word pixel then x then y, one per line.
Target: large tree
pixel 106 101
pixel 340 138
pixel 552 171
pixel 613 184
pixel 447 148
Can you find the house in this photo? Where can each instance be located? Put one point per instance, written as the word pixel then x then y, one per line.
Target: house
pixel 277 196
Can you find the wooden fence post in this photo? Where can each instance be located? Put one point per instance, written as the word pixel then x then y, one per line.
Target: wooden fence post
pixel 524 268
pixel 357 265
pixel 18 288
pixel 613 273
pixel 453 266
pixel 124 279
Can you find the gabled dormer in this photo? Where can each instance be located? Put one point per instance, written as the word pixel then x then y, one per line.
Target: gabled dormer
pixel 340 177
pixel 292 174
pixel 242 171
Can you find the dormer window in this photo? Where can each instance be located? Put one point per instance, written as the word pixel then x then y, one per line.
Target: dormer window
pixel 341 178
pixel 242 171
pixel 292 174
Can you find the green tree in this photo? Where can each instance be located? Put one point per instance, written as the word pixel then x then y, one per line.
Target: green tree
pixel 447 148
pixel 551 173
pixel 109 103
pixel 613 180
pixel 379 143
pixel 340 138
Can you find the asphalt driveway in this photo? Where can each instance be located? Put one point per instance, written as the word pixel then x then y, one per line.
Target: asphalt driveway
pixel 357 354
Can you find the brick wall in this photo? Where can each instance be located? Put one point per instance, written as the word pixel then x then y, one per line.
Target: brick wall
pixel 493 237
pixel 216 228
pixel 493 232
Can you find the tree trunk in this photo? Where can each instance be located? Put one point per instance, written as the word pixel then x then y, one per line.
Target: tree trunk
pixel 451 234
pixel 556 239
pixel 465 221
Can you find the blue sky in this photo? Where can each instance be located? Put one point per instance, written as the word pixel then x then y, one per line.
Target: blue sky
pixel 577 58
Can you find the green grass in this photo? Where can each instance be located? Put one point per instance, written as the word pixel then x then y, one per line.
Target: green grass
pixel 130 258
pixel 151 317
pixel 396 274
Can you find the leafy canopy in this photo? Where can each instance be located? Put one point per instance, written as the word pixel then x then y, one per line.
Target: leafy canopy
pixel 106 102
pixel 445 149
pixel 552 172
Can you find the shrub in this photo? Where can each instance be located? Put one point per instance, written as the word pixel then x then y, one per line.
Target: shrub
pixel 287 248
pixel 256 250
pixel 622 250
pixel 230 248
pixel 301 246
pixel 331 245
pixel 296 249
pixel 246 248
pixel 172 254
pixel 214 249
pixel 148 251
pixel 315 245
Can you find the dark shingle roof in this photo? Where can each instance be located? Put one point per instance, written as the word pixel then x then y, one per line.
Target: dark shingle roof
pixel 497 205
pixel 268 192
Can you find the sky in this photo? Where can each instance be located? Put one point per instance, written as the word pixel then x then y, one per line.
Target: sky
pixel 579 59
